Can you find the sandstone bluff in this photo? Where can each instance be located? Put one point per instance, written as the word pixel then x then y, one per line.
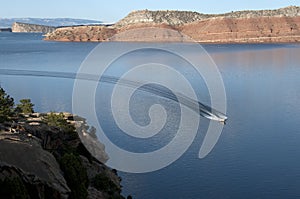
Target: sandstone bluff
pixel 26 27
pixel 281 25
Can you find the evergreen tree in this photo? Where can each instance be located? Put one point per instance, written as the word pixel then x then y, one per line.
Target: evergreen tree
pixel 25 106
pixel 6 106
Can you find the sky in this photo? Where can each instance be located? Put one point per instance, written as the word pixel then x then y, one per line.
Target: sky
pixel 114 10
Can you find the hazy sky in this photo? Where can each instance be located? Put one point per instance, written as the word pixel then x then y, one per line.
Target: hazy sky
pixel 113 10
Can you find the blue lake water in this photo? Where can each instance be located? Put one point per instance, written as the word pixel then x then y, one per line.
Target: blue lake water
pixel 257 155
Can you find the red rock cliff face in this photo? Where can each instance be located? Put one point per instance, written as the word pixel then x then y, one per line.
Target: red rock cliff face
pixel 259 29
pixel 282 25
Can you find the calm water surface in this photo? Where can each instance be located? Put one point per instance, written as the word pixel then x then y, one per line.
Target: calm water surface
pixel 257 155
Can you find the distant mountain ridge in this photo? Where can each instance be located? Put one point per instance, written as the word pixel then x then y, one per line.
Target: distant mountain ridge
pixel 7 22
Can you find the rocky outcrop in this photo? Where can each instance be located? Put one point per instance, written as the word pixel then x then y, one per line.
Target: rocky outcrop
pixel 290 11
pixel 36 168
pixel 281 25
pixel 160 17
pixel 25 27
pixel 39 160
pixel 176 18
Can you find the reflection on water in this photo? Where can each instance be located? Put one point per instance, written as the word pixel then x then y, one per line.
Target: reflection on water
pixel 257 154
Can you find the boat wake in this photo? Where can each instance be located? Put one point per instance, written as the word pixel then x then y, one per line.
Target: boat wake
pixel 198 107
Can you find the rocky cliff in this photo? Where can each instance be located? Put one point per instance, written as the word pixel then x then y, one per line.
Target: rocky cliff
pixel 25 27
pixel 40 160
pixel 158 17
pixel 281 25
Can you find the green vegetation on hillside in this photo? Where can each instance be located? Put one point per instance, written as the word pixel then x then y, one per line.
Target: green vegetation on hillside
pixel 58 120
pixel 103 183
pixel 75 175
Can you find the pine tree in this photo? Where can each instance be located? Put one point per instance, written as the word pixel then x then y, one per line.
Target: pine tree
pixel 25 106
pixel 6 106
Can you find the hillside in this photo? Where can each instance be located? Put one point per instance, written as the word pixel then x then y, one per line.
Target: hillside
pixel 183 17
pixel 244 30
pixel 46 161
pixel 280 25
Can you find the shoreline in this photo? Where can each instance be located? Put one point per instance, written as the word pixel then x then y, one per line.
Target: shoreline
pixel 196 42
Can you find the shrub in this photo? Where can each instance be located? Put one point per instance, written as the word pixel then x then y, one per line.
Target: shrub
pixel 103 183
pixel 58 120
